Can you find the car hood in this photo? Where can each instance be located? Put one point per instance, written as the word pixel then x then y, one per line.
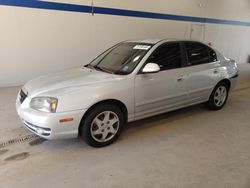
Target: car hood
pixel 66 79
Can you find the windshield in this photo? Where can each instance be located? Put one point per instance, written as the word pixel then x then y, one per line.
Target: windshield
pixel 120 59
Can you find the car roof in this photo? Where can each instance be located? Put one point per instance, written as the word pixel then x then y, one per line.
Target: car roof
pixel 149 41
pixel 155 41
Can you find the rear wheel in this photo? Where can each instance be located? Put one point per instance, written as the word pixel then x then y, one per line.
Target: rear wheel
pixel 218 97
pixel 102 125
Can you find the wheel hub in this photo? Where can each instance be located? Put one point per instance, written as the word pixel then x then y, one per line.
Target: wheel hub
pixel 104 126
pixel 220 96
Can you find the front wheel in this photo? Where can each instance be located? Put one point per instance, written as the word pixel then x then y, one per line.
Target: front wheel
pixel 102 125
pixel 218 97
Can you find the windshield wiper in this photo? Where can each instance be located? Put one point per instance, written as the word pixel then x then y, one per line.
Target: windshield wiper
pixel 103 69
pixel 90 66
pixel 95 67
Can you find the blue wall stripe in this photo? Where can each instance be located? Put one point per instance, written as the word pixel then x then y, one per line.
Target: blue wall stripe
pixel 132 13
pixel 47 5
pixel 113 11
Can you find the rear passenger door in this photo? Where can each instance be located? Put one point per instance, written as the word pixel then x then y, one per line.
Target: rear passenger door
pixel 202 71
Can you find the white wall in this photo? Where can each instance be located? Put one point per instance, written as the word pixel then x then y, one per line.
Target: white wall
pixel 35 41
pixel 233 41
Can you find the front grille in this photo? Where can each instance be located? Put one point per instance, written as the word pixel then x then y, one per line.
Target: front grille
pixel 22 96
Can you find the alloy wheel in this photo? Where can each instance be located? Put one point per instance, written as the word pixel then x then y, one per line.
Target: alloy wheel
pixel 104 126
pixel 220 96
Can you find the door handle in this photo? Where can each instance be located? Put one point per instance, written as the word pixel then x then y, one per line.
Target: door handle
pixel 180 79
pixel 216 71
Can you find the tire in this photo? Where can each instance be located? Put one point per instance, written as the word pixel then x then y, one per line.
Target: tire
pixel 102 125
pixel 219 96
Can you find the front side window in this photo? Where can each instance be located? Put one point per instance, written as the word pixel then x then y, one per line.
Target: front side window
pixel 122 58
pixel 167 56
pixel 197 53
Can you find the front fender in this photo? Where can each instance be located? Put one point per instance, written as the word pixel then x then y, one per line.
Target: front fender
pixel 83 97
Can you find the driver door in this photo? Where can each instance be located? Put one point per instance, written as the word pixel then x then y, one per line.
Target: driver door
pixel 166 90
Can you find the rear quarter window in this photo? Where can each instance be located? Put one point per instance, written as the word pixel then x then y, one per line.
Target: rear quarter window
pixel 212 55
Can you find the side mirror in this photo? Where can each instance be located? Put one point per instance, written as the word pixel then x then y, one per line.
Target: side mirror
pixel 151 68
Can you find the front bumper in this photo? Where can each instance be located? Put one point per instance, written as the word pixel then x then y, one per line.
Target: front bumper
pixel 48 125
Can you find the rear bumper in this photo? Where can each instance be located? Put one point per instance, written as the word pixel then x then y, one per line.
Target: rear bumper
pixel 48 125
pixel 233 81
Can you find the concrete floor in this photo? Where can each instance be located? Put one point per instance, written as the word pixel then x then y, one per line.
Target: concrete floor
pixel 190 148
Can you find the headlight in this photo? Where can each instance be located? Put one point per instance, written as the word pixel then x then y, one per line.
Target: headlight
pixel 44 104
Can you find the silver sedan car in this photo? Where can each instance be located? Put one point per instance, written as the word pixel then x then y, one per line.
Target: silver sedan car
pixel 129 81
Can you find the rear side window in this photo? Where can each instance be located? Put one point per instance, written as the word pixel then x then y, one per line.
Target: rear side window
pixel 167 56
pixel 197 53
pixel 212 55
